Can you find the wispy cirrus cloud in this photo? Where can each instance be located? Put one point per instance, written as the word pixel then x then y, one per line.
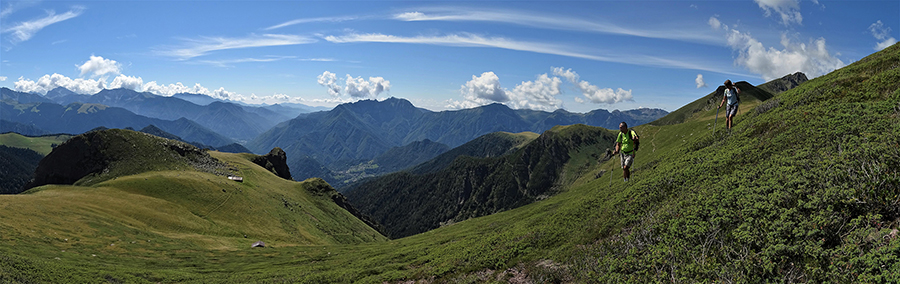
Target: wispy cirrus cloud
pixel 473 40
pixel 26 30
pixel 788 9
pixel 556 22
pixel 312 20
pixel 229 62
pixel 205 45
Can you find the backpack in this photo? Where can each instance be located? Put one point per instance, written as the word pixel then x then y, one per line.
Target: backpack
pixel 636 139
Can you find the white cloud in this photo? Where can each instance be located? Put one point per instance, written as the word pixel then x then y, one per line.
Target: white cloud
pixel 329 80
pixel 699 81
pixel 311 20
pixel 789 10
pixel 883 34
pixel 98 66
pixel 205 45
pixel 356 88
pixel 2 78
pixel 50 82
pixel 540 94
pixel 556 22
pixel 813 59
pixel 715 23
pixel 360 88
pixel 484 89
pixel 228 62
pixel 25 30
pixel 591 92
pixel 93 86
pixel 12 7
pixel 472 40
pixel 127 82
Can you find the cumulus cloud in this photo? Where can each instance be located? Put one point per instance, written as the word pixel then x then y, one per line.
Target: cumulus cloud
pixel 2 78
pixel 50 82
pixel 360 88
pixel 811 58
pixel 329 80
pixel 98 66
pixel 92 86
pixel 127 82
pixel 883 34
pixel 356 87
pixel 593 93
pixel 789 10
pixel 540 94
pixel 484 88
pixel 25 30
pixel 699 81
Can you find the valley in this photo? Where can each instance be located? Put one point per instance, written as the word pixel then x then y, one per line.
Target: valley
pixel 804 188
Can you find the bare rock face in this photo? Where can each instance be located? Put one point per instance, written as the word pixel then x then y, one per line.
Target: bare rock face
pixel 276 162
pixel 786 83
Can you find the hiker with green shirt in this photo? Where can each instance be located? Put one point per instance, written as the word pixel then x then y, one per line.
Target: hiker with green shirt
pixel 627 144
pixel 731 96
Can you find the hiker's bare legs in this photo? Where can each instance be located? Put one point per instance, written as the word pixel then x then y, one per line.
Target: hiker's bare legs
pixel 626 173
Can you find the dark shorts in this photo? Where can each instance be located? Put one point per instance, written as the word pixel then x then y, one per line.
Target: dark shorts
pixel 731 110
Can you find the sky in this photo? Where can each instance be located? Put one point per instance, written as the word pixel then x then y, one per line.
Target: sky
pixel 542 55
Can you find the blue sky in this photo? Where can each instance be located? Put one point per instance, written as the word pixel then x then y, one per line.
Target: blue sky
pixel 546 55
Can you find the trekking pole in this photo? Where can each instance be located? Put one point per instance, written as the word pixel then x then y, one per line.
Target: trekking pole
pixel 717 120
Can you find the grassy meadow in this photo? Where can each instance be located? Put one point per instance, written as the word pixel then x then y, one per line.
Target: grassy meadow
pixel 803 189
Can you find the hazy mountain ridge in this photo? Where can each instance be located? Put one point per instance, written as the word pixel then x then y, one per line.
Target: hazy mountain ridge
pixel 803 189
pixel 355 133
pixel 228 119
pixel 76 118
pixel 230 148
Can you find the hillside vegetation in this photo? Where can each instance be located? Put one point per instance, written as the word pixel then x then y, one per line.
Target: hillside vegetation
pixel 349 137
pixel 750 96
pixel 19 157
pixel 804 188
pixel 406 203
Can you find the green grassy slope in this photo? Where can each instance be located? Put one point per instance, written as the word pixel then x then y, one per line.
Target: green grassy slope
pixel 40 144
pixel 408 203
pixel 804 189
pixel 750 96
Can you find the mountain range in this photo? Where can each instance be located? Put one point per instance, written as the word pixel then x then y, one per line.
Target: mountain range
pixel 235 121
pixel 353 134
pixel 34 111
pixel 803 188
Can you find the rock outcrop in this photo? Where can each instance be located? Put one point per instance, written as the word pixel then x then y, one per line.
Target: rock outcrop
pixel 276 162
